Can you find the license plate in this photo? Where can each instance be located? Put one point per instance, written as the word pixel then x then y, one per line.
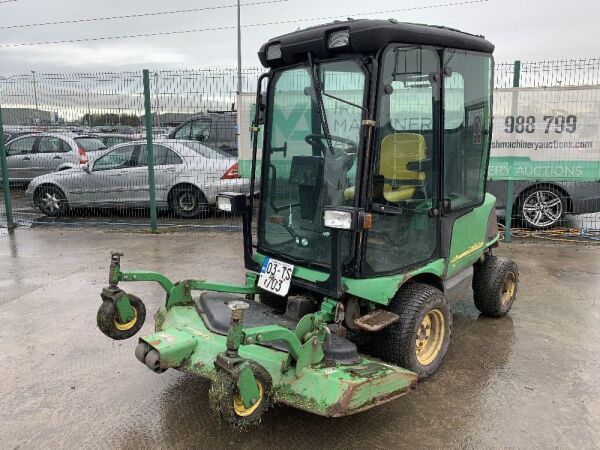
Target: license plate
pixel 275 276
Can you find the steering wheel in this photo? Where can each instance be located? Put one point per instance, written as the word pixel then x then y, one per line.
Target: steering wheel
pixel 320 139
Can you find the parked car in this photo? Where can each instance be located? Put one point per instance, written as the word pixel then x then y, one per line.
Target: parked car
pixel 217 130
pixel 33 155
pixel 11 135
pixel 188 177
pixel 110 139
pixel 542 205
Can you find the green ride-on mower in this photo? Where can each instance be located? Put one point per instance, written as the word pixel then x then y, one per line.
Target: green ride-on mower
pixel 372 221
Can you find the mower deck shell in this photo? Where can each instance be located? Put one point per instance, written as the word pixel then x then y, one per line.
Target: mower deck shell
pixel 328 389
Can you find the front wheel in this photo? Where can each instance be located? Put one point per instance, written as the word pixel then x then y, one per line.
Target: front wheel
pixel 188 202
pixel 109 323
pixel 51 201
pixel 495 282
pixel 420 339
pixel 225 400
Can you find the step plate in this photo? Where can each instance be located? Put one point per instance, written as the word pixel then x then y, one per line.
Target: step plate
pixel 376 320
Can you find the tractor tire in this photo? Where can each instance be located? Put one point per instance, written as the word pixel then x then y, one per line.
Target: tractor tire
pixel 108 323
pixel 495 283
pixel 225 401
pixel 420 339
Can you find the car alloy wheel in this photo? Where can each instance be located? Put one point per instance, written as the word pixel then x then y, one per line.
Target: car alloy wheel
pixel 542 208
pixel 187 201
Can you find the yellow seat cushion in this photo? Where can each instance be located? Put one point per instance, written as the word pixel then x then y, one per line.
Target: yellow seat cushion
pixel 397 151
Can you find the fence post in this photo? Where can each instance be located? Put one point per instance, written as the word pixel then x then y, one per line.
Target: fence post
pixel 5 184
pixel 150 150
pixel 510 188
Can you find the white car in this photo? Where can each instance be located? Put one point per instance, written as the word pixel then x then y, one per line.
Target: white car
pixel 188 176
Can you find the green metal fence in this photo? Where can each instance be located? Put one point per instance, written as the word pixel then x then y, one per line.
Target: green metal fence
pixel 59 123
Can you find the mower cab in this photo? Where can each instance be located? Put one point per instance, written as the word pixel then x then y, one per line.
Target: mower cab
pixel 372 220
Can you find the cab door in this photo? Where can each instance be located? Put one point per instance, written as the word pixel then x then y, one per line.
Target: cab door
pixel 467 130
pixel 405 165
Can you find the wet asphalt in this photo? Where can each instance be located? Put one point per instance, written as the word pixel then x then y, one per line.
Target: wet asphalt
pixel 528 380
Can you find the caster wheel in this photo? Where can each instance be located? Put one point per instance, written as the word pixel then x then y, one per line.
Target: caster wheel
pixel 152 360
pixel 108 319
pixel 226 402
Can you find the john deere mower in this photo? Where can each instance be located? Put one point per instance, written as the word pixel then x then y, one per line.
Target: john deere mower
pixel 373 219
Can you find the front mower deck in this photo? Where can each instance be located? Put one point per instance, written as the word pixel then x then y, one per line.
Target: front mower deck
pixel 191 341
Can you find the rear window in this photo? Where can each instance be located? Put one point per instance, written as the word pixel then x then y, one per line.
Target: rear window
pixel 90 144
pixel 205 151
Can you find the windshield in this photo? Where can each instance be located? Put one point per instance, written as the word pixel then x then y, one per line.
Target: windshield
pixel 205 151
pixel 310 152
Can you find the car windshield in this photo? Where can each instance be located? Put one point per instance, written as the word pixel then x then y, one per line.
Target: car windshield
pixel 310 154
pixel 90 144
pixel 203 150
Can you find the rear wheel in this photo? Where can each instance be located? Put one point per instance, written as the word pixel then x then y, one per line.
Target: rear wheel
pixel 542 207
pixel 419 340
pixel 51 201
pixel 495 283
pixel 188 202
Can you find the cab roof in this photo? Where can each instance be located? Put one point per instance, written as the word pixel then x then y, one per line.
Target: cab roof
pixel 367 37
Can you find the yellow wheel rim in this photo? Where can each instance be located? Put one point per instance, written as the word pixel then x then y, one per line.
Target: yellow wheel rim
pixel 430 337
pixel 127 325
pixel 508 288
pixel 238 404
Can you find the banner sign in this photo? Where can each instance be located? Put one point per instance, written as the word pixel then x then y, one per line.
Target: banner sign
pixel 546 134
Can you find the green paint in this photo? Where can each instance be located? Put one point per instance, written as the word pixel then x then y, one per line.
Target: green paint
pixel 124 309
pixel 247 385
pixel 379 290
pixel 173 345
pixel 5 183
pixel 150 150
pixel 469 236
pixel 327 389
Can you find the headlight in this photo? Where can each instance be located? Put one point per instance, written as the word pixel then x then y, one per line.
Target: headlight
pixel 224 204
pixel 273 52
pixel 339 39
pixel 231 202
pixel 338 219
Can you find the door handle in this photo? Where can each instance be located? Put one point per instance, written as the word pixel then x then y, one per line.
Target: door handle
pixel 26 158
pixel 57 157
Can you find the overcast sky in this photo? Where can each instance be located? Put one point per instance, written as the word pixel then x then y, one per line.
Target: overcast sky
pixel 520 29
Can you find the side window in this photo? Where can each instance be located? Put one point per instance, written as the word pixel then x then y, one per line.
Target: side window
pixel 51 144
pixel 467 90
pixel 162 156
pixel 21 146
pixel 183 132
pixel 200 130
pixel 117 159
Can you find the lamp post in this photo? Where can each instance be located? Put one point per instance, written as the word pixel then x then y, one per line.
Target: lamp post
pixel 239 49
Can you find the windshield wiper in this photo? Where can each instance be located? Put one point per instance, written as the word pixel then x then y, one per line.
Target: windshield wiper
pixel 319 94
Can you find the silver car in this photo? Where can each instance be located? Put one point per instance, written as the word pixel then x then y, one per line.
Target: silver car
pixel 33 155
pixel 188 176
